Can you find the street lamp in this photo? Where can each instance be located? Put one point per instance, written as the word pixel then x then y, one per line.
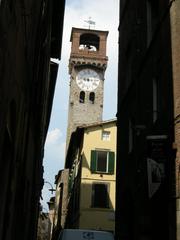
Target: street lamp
pixel 50 189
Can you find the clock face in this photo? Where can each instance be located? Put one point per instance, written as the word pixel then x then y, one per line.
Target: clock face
pixel 87 79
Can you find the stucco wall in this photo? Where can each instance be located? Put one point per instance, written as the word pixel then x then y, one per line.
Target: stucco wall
pixel 97 218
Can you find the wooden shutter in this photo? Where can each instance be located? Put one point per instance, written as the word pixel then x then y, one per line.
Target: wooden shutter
pixel 93 161
pixel 111 163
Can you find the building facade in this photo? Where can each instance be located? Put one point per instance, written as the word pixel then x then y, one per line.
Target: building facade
pixel 30 34
pixel 92 164
pixel 175 33
pixel 61 202
pixel 44 227
pixel 51 205
pixel 145 190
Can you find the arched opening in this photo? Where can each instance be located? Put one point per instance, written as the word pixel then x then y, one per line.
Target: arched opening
pixel 92 97
pixel 89 42
pixel 82 97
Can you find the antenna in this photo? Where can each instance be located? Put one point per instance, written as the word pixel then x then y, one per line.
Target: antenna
pixel 90 22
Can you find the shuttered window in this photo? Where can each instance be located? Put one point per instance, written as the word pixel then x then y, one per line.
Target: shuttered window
pixel 93 161
pixel 111 162
pixel 102 161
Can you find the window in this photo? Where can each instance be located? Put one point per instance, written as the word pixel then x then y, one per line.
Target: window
pixel 100 195
pixel 149 22
pixel 152 18
pixel 105 135
pixel 155 100
pixel 92 97
pixel 82 97
pixel 102 161
pixel 60 204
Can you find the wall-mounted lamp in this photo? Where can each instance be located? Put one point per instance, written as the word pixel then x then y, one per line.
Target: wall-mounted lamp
pixel 50 189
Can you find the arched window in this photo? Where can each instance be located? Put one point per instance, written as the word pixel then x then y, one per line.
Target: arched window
pixel 89 41
pixel 92 97
pixel 82 97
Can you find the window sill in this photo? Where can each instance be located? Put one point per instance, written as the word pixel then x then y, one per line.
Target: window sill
pixel 102 173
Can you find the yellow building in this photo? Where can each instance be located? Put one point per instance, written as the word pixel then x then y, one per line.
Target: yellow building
pixel 91 160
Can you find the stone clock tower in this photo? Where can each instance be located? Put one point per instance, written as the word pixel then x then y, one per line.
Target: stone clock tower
pixel 87 65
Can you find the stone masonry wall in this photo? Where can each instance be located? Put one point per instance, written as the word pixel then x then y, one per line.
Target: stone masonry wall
pixel 175 35
pixel 83 113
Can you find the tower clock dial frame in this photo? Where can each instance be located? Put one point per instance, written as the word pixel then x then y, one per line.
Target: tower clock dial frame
pixel 87 79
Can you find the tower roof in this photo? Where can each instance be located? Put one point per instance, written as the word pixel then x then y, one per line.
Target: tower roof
pixel 90 31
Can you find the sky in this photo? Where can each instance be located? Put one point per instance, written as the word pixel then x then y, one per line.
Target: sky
pixel 106 15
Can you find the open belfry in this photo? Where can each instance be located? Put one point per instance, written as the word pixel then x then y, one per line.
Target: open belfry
pixel 87 65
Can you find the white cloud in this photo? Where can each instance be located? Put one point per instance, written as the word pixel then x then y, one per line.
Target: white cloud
pixel 53 136
pixel 54 150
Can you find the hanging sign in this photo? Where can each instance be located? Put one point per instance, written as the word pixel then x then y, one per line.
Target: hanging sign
pixel 157 154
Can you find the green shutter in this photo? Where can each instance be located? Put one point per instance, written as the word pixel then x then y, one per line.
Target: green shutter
pixel 93 161
pixel 111 163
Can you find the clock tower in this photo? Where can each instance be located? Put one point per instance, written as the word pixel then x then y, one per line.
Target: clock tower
pixel 87 65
